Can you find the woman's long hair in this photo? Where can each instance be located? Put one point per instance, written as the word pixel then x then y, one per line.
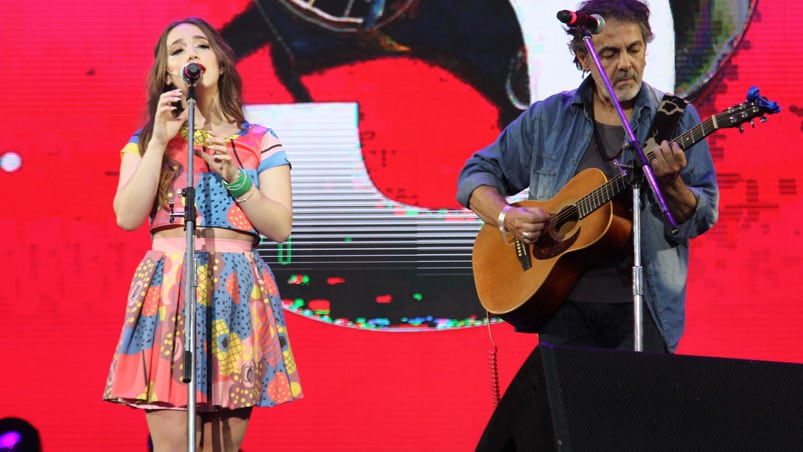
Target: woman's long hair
pixel 229 93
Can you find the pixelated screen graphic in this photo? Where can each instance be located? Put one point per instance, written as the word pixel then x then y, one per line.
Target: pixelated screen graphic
pixel 377 117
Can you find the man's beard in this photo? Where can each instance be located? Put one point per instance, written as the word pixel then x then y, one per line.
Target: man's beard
pixel 629 92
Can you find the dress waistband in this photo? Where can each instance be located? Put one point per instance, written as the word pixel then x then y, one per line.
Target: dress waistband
pixel 172 244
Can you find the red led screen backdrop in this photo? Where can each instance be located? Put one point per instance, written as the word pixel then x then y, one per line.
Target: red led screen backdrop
pixel 391 342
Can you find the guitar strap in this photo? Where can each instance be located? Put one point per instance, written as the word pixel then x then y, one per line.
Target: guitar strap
pixel 666 120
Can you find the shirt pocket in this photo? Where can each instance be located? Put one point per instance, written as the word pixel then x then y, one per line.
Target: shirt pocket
pixel 543 175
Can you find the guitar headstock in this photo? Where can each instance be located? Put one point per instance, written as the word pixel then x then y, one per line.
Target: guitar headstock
pixel 756 106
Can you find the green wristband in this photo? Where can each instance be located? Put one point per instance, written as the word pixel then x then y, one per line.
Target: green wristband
pixel 240 186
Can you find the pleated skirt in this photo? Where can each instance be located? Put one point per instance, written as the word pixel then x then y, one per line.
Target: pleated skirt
pixel 242 353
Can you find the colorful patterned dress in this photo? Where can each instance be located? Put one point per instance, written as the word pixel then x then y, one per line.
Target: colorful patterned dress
pixel 243 355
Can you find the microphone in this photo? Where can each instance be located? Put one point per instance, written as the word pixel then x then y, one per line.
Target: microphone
pixel 593 23
pixel 192 72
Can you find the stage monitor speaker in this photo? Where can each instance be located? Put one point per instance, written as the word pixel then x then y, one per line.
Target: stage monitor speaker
pixel 575 399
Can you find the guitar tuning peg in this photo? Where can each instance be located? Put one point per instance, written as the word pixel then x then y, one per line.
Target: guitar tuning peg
pixel 762 119
pixel 741 129
pixel 752 124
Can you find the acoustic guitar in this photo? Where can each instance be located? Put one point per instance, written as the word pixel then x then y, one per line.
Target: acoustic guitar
pixel 525 284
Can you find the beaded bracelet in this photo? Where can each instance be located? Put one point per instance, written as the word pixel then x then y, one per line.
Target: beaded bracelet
pixel 500 221
pixel 240 186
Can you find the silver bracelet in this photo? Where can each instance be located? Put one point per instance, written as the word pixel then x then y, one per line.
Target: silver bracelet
pixel 245 197
pixel 500 221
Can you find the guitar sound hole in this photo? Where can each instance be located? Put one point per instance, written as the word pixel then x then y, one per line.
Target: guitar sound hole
pixel 562 233
pixel 565 222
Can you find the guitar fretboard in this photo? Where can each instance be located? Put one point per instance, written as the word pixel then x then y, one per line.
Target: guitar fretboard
pixel 601 195
pixel 695 134
pixel 609 190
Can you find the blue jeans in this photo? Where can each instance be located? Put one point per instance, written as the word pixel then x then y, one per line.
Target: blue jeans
pixel 600 325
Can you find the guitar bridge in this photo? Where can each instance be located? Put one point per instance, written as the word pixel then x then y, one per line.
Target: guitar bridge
pixel 523 254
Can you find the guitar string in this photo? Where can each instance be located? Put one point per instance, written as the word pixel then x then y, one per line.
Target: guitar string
pixel 704 128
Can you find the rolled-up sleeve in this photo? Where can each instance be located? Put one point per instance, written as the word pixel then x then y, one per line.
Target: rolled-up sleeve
pixel 700 176
pixel 504 164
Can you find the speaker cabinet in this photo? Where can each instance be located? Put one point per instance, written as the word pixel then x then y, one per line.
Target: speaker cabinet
pixel 576 399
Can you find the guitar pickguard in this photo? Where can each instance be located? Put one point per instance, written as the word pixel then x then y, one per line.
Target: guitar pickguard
pixel 546 247
pixel 561 233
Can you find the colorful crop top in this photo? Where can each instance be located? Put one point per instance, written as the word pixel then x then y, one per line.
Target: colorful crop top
pixel 255 149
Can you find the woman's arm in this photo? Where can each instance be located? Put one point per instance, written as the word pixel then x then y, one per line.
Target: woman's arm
pixel 137 186
pixel 139 175
pixel 270 208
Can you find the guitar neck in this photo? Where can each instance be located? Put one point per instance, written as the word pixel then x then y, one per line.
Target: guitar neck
pixel 756 106
pixel 601 195
pixel 609 190
pixel 690 137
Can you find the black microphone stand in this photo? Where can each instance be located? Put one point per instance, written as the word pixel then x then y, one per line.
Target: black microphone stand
pixel 190 278
pixel 641 167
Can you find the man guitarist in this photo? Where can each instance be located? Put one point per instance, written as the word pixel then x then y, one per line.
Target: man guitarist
pixel 549 144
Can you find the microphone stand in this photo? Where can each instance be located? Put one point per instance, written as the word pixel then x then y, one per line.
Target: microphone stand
pixel 641 167
pixel 190 278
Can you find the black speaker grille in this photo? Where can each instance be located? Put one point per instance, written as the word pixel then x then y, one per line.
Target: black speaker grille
pixel 628 401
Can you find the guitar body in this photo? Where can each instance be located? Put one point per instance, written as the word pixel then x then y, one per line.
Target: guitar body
pixel 526 297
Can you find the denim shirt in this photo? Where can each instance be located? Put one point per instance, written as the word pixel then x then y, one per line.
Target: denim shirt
pixel 542 148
